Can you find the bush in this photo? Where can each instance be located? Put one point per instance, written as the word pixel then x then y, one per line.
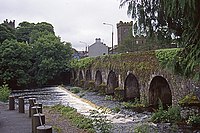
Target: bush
pixel 100 123
pixel 109 97
pixel 143 128
pixel 4 93
pixel 75 90
pixel 189 99
pixel 171 115
pixel 116 109
pixel 102 88
pixel 136 103
pixel 194 120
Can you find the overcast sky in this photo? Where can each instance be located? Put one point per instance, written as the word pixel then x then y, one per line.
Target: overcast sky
pixel 73 20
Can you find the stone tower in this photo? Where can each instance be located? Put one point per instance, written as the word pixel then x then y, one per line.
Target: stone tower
pixel 123 29
pixel 11 23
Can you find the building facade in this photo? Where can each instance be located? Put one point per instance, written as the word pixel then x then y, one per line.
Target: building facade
pixel 97 49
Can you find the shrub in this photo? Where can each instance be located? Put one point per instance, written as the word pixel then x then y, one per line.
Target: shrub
pixel 116 109
pixel 91 84
pixel 102 88
pixel 75 90
pixel 136 103
pixel 194 120
pixel 171 115
pixel 100 123
pixel 189 99
pixel 4 93
pixel 143 128
pixel 109 97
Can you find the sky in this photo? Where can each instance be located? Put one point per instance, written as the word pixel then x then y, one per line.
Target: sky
pixel 79 22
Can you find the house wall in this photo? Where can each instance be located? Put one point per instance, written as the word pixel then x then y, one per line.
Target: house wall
pixel 97 49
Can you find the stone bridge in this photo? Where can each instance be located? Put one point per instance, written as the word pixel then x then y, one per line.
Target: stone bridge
pixel 133 75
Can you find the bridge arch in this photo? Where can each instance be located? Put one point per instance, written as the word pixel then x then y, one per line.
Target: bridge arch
pixel 159 89
pixel 112 82
pixel 80 76
pixel 98 78
pixel 88 75
pixel 131 88
pixel 73 74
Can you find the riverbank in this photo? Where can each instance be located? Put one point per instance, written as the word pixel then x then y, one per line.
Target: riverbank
pixel 124 121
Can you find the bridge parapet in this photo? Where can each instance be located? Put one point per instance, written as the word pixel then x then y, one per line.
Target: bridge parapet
pixel 139 75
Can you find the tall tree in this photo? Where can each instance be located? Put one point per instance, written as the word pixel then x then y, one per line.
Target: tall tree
pixel 23 31
pixel 6 32
pixel 178 18
pixel 51 58
pixel 14 63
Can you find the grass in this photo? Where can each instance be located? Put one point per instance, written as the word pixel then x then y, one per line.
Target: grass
pixel 75 118
pixel 57 129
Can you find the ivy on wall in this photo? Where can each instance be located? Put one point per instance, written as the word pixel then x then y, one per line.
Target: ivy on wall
pixel 82 63
pixel 166 57
pixel 142 63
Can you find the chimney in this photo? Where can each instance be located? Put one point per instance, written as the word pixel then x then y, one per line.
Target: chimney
pixel 98 40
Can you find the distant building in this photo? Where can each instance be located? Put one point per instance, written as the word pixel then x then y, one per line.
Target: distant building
pixel 123 29
pixel 79 54
pixel 11 23
pixel 97 49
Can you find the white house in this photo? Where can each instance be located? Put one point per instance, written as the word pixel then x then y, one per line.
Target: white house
pixel 97 49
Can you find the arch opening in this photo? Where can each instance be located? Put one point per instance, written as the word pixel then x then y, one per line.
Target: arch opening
pixel 88 75
pixel 131 88
pixel 98 78
pixel 112 83
pixel 160 90
pixel 80 76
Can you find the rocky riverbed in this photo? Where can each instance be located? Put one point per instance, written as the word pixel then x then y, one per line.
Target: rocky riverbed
pixel 125 121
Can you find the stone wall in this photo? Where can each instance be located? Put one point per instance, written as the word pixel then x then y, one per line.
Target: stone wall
pixel 154 82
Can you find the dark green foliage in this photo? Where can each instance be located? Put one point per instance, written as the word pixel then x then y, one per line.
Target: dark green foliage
pixel 6 32
pixel 75 90
pixel 23 31
pixel 165 19
pixel 135 104
pixel 15 63
pixel 194 120
pixel 171 115
pixel 166 57
pixel 50 58
pixel 37 57
pixel 101 124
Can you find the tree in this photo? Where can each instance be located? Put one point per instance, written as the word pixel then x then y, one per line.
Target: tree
pixel 14 63
pixel 37 57
pixel 44 26
pixel 23 31
pixel 50 58
pixel 6 32
pixel 178 18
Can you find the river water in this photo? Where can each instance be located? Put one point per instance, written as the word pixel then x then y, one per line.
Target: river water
pixel 49 96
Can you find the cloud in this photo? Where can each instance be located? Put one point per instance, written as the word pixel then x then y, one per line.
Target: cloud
pixel 73 20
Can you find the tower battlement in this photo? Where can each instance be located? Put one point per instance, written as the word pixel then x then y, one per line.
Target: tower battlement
pixel 123 29
pixel 11 23
pixel 124 24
